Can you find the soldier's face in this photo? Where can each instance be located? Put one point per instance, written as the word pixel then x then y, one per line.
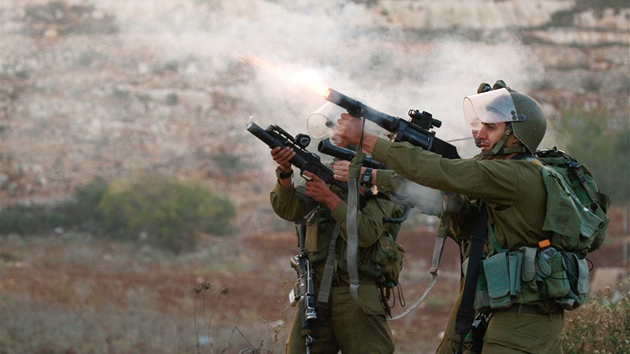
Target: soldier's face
pixel 477 141
pixel 489 135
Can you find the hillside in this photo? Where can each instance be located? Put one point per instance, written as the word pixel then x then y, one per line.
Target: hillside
pixel 106 89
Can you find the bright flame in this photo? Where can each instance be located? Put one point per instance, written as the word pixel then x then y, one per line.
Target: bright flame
pixel 308 79
pixel 312 81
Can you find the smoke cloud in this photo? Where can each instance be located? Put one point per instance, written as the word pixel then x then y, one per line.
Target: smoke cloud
pixel 343 43
pixel 168 89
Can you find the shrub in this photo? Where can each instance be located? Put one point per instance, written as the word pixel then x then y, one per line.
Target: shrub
pixel 602 325
pixel 32 219
pixel 81 211
pixel 218 223
pixel 76 213
pixel 172 213
pixel 20 220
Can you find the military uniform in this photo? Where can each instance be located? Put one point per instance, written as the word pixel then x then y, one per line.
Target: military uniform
pixel 390 183
pixel 515 196
pixel 350 327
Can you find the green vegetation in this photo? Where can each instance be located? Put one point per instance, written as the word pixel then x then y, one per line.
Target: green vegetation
pixel 599 139
pixel 170 214
pixel 30 219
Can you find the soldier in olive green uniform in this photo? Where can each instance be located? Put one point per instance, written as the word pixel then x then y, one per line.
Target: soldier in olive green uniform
pixel 511 126
pixel 349 327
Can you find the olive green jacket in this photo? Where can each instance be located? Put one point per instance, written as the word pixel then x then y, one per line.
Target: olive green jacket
pixel 513 190
pixel 292 204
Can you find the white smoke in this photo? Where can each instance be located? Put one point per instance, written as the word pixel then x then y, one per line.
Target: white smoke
pixel 344 42
pixel 350 47
pixel 394 56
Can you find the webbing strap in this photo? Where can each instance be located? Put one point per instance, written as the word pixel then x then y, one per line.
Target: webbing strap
pixel 438 249
pixel 437 255
pixel 354 171
pixel 495 247
pixel 329 270
pixel 602 199
pixel 466 312
pixel 353 238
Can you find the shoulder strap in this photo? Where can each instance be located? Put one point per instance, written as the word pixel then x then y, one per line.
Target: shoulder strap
pixel 495 247
pixel 438 248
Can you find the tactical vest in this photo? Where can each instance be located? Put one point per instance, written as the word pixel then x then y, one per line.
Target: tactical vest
pixel 576 217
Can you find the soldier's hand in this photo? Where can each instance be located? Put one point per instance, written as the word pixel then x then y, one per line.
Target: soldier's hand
pixel 348 130
pixel 340 170
pixel 317 189
pixel 283 157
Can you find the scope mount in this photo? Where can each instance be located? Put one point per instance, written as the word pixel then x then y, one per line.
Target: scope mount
pixel 424 119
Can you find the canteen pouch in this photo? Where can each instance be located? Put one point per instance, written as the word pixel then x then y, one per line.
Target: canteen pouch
pixel 388 256
pixel 552 271
pixel 383 260
pixel 577 273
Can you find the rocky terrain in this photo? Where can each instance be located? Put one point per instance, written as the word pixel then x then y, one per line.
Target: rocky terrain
pixel 106 89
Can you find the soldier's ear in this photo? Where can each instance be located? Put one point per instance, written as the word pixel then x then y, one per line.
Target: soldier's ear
pixel 512 141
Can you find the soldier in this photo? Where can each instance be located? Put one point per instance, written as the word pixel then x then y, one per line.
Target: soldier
pixel 512 191
pixel 347 326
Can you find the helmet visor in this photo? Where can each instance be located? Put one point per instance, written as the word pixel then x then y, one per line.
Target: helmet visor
pixel 494 106
pixel 321 123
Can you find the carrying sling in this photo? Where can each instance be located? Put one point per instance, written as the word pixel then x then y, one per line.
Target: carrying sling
pixel 466 311
pixel 324 290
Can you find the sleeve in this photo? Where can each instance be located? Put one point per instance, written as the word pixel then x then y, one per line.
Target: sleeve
pixel 496 180
pixel 291 203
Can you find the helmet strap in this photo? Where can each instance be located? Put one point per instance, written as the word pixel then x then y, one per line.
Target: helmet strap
pixel 499 149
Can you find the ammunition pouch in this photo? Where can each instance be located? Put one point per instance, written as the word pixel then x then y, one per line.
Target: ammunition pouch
pixel 319 231
pixel 383 261
pixel 523 276
pixel 386 256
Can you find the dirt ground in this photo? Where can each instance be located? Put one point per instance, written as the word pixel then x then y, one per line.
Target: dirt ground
pixel 238 283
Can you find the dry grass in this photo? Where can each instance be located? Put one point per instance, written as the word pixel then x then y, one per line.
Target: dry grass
pixel 600 326
pixel 73 293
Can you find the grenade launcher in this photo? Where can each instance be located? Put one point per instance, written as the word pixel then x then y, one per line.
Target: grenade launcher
pixel 416 130
pixel 305 160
